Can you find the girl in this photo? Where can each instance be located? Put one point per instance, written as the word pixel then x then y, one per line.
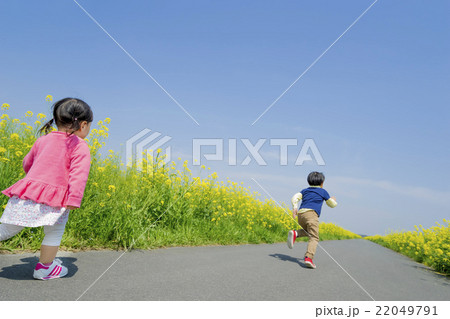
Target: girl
pixel 57 169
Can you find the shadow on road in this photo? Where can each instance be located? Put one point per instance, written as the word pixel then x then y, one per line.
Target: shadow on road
pixel 290 258
pixel 25 271
pixel 435 274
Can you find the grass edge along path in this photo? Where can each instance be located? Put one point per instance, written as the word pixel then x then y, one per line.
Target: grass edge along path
pixel 430 246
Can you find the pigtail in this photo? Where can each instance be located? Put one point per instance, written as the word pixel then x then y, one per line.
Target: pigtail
pixel 46 128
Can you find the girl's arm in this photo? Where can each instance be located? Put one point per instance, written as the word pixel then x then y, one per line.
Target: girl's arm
pixel 29 158
pixel 80 164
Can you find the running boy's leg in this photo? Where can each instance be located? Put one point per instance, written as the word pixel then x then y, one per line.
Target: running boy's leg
pixel 310 222
pixel 303 232
pixel 50 244
pixel 7 231
pixel 294 234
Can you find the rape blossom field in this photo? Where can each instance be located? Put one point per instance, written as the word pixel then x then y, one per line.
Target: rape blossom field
pixel 428 246
pixel 149 205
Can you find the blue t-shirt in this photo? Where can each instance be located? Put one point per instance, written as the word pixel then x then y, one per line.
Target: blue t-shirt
pixel 313 197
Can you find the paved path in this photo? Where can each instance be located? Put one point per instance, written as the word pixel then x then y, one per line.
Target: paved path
pixel 248 272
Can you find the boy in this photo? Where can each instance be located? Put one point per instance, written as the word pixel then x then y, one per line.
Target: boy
pixel 308 215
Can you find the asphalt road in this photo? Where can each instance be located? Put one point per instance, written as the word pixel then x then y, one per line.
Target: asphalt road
pixel 248 272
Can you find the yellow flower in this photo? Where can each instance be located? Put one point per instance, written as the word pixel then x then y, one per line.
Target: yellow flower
pixel 4 116
pixel 5 106
pixel 95 184
pixel 158 150
pixel 2 150
pixel 101 169
pixel 41 116
pixel 112 187
pixel 100 123
pixel 102 205
pixel 19 153
pixel 107 120
pixel 38 123
pixel 14 136
pixel 28 114
pixel 49 98
pixel 16 121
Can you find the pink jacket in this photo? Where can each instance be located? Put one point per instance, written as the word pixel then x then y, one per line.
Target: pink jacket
pixel 57 169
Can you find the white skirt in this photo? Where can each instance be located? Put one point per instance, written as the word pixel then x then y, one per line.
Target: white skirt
pixel 28 213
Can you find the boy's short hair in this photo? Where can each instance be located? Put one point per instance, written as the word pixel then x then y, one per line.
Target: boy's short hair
pixel 316 179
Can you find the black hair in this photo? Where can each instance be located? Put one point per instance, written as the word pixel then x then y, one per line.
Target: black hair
pixel 69 113
pixel 316 179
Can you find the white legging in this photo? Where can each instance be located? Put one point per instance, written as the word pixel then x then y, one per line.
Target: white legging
pixel 53 234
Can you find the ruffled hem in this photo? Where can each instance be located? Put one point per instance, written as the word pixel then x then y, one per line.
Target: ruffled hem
pixel 28 213
pixel 39 192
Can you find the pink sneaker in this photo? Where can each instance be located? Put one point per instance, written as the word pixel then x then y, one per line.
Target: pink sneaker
pixel 55 270
pixel 309 263
pixel 292 235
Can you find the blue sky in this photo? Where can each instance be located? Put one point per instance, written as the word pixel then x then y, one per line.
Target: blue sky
pixel 376 104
